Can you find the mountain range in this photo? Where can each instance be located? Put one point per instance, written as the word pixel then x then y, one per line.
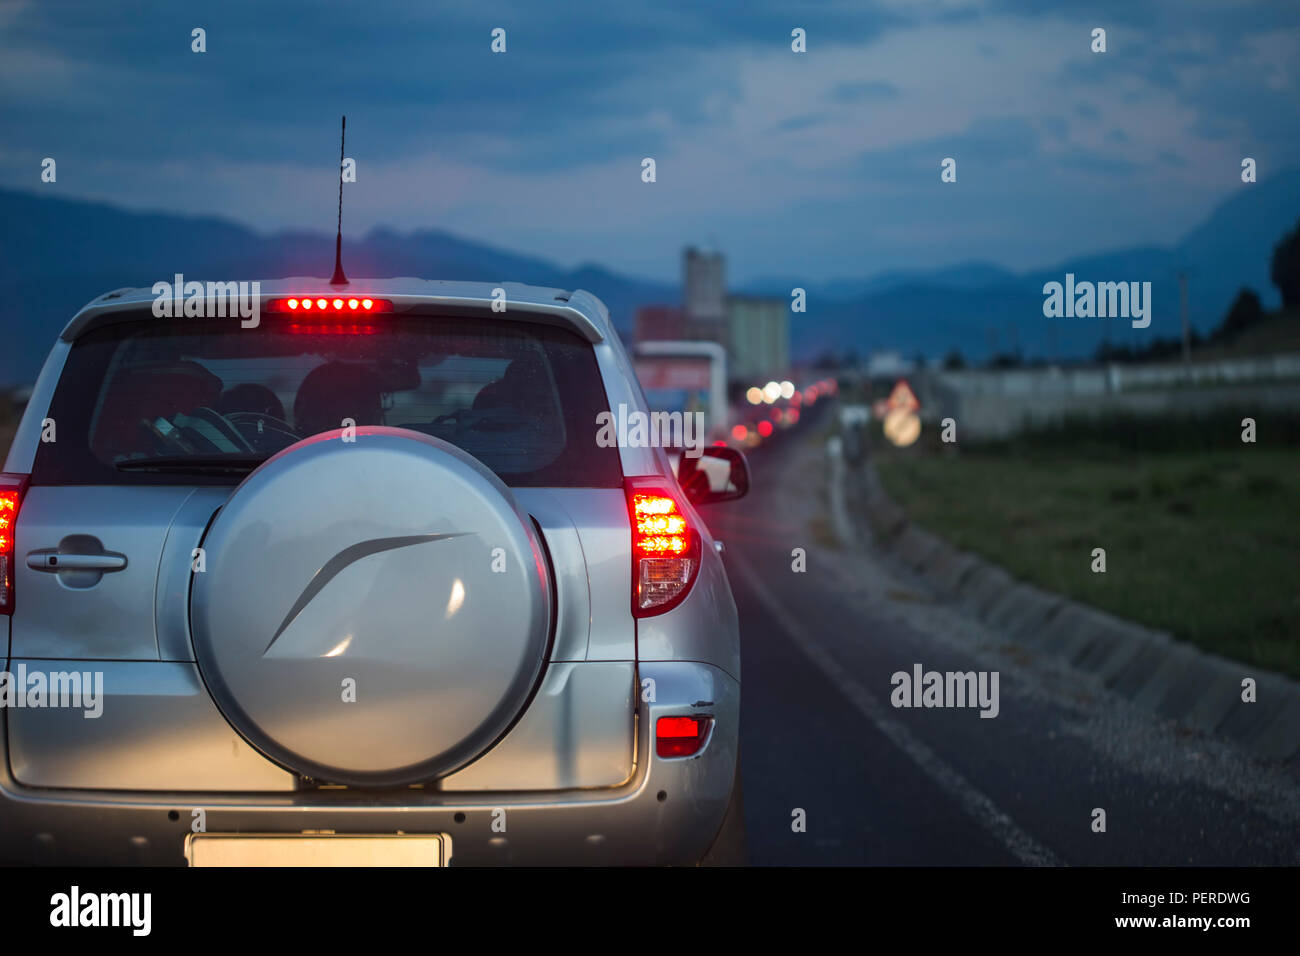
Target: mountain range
pixel 56 254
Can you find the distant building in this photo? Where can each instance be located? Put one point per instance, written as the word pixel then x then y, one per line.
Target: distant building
pixel 685 377
pixel 758 331
pixel 659 322
pixel 703 313
pixel 886 364
pixel 704 293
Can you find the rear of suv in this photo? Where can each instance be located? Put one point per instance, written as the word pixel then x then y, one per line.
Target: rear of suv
pixel 358 582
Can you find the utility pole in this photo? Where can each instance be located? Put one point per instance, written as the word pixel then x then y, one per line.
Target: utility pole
pixel 1182 306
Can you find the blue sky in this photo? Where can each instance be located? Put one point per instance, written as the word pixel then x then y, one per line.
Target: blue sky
pixel 816 165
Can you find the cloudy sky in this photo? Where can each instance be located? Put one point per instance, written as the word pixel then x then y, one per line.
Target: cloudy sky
pixel 818 165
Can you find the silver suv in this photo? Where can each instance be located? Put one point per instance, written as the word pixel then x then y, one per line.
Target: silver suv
pixel 360 584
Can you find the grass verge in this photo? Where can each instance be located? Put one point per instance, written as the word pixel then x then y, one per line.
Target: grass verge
pixel 1202 543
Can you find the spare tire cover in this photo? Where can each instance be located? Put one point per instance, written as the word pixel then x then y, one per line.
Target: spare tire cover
pixel 372 611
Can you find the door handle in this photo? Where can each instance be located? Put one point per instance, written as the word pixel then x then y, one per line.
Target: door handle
pixel 50 559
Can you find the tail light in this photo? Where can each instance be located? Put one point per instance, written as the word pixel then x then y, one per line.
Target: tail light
pixel 11 497
pixel 665 548
pixel 680 736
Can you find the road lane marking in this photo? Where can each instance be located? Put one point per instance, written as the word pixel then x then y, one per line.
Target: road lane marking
pixel 972 800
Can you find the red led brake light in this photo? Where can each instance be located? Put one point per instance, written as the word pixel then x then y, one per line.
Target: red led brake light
pixel 665 548
pixel 11 498
pixel 8 517
pixel 658 527
pixel 329 305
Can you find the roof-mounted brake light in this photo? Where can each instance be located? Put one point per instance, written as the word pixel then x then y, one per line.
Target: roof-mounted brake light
pixel 329 305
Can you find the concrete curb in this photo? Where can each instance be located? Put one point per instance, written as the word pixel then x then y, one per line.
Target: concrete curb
pixel 1149 668
pixel 915 547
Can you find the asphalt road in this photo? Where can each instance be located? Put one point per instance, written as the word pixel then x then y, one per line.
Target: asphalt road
pixel 926 786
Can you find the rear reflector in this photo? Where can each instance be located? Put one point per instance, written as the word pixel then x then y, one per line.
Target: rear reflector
pixel 11 498
pixel 680 736
pixel 665 548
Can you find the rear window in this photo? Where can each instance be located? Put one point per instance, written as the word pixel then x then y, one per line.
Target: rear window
pixel 205 401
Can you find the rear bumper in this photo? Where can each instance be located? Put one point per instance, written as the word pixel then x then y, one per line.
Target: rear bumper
pixel 668 812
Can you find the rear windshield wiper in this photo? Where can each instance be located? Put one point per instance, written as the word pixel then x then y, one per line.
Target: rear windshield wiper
pixel 240 464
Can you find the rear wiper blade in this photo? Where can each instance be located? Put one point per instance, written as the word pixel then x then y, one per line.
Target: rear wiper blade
pixel 237 463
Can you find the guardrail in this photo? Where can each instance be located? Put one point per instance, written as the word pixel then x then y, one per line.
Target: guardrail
pixel 1112 378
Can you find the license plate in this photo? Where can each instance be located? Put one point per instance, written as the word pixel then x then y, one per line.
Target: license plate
pixel 317 849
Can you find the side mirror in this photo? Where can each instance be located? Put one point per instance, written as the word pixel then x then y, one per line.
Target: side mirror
pixel 719 474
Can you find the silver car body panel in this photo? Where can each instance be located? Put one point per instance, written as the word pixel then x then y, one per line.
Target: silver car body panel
pixel 70 614
pixel 176 569
pixel 701 628
pixel 668 812
pixel 158 730
pixel 576 733
pixel 599 516
pixel 27 438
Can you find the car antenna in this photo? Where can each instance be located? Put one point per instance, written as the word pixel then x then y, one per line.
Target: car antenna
pixel 339 277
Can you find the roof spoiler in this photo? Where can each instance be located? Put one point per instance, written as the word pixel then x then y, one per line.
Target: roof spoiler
pixel 579 312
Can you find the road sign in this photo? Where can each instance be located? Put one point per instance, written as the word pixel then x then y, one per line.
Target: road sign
pixel 902 427
pixel 902 397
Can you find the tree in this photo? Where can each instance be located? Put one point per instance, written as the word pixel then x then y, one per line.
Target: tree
pixel 826 360
pixel 1286 268
pixel 1007 360
pixel 954 361
pixel 1245 312
pixel 1106 352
